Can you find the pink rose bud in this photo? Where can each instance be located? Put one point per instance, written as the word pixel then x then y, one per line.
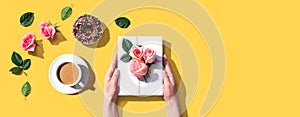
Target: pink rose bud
pixel 137 52
pixel 149 55
pixel 47 30
pixel 138 68
pixel 28 43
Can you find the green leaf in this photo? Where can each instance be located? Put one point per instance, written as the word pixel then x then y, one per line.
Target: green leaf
pixel 26 64
pixel 66 13
pixel 122 22
pixel 15 70
pixel 126 45
pixel 26 19
pixel 26 89
pixel 125 58
pixel 16 59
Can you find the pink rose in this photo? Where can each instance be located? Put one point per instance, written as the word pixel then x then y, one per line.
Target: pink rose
pixel 28 43
pixel 138 68
pixel 149 55
pixel 47 30
pixel 137 52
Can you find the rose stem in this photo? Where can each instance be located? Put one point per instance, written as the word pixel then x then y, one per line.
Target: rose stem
pixel 25 73
pixel 145 78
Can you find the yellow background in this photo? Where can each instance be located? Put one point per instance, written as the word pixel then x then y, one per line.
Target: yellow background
pixel 260 37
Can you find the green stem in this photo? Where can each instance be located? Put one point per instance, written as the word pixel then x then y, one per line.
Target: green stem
pixel 25 73
pixel 145 78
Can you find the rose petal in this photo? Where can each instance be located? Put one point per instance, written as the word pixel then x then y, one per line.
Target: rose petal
pixel 47 30
pixel 28 42
pixel 138 68
pixel 149 55
pixel 31 48
pixel 52 28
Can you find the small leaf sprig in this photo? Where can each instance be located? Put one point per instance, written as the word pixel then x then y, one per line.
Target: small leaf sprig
pixel 21 64
pixel 55 25
pixel 126 45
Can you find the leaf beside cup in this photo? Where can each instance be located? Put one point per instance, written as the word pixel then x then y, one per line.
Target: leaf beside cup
pixel 20 64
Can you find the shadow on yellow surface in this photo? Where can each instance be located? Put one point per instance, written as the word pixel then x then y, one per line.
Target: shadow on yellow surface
pixel 39 49
pixel 58 38
pixel 91 80
pixel 180 87
pixel 104 39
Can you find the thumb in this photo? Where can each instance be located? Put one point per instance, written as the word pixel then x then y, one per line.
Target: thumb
pixel 115 76
pixel 166 78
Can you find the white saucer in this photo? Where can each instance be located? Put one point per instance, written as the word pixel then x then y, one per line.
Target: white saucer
pixel 53 73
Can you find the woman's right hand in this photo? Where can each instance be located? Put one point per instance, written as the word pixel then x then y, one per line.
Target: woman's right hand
pixel 170 91
pixel 169 82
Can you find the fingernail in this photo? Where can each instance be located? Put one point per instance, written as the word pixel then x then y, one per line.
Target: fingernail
pixel 165 56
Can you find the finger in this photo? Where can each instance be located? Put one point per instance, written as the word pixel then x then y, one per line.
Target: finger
pixel 168 70
pixel 166 78
pixel 165 59
pixel 115 76
pixel 112 67
pixel 167 66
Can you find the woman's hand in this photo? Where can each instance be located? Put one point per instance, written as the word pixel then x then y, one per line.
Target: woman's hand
pixel 111 90
pixel 169 91
pixel 111 82
pixel 169 83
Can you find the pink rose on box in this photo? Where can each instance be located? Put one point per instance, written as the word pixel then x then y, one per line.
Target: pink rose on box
pixel 149 55
pixel 28 43
pixel 138 68
pixel 47 30
pixel 137 52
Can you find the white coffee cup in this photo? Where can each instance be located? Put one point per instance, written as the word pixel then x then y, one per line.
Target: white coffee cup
pixel 66 76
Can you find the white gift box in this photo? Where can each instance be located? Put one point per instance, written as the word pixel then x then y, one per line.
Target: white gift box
pixel 130 85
